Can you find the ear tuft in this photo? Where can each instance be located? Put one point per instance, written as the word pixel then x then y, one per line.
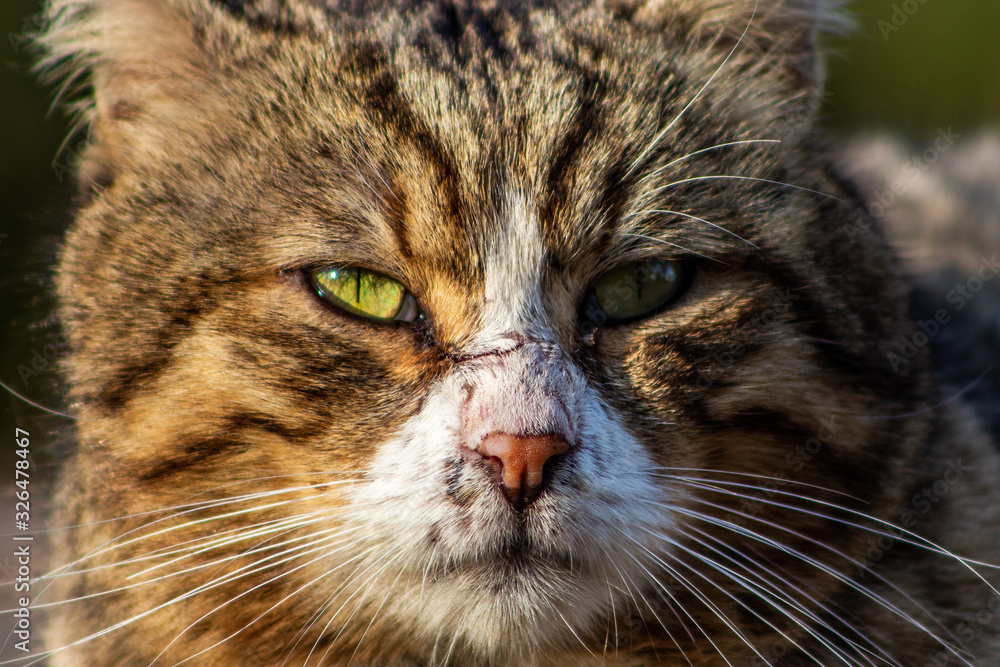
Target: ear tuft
pixel 130 69
pixel 787 32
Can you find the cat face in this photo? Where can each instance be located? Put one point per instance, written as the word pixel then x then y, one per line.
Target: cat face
pixel 614 386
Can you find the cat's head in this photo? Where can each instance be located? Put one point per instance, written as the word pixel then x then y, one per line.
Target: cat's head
pixel 504 330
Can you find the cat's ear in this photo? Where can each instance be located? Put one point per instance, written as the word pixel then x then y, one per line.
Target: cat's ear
pixel 785 33
pixel 135 72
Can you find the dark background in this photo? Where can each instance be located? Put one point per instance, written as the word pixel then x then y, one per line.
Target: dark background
pixel 940 69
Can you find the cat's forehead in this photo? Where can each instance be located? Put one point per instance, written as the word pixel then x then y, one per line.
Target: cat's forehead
pixel 577 133
pixel 435 114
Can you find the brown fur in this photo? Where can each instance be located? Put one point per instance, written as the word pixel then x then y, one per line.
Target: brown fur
pixel 233 149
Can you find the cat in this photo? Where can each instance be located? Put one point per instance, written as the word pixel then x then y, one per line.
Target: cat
pixel 491 333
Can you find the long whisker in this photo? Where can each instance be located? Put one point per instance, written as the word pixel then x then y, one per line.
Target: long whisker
pixel 733 177
pixel 279 557
pixel 812 561
pixel 34 404
pixel 202 544
pixel 760 594
pixel 667 599
pixel 918 541
pixel 378 610
pixel 662 133
pixel 196 591
pixel 673 245
pixel 247 570
pixel 688 156
pixel 768 478
pixel 357 607
pixel 701 597
pixel 326 573
pixel 259 565
pixel 953 397
pixel 187 508
pixel 783 547
pixel 574 633
pixel 697 219
pixel 324 608
pixel 118 541
pixel 64 571
pixel 611 604
pixel 772 593
pixel 203 566
pixel 275 528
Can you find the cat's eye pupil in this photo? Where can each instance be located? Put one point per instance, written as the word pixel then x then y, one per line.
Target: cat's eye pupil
pixel 365 293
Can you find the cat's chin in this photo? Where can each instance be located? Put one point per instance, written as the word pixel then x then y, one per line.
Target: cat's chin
pixel 516 602
pixel 514 557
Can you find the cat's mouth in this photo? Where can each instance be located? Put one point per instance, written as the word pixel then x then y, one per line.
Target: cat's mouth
pixel 515 549
pixel 512 560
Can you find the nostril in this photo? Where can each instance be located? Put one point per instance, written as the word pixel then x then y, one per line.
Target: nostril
pixel 494 463
pixel 520 462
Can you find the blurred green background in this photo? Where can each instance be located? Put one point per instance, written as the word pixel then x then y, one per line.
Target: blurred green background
pixel 940 68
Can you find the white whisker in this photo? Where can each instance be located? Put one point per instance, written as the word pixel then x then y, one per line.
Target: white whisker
pixel 781 590
pixel 733 177
pixel 690 155
pixel 773 595
pixel 878 599
pixel 669 243
pixel 326 573
pixel 923 542
pixel 694 591
pixel 662 133
pixel 695 218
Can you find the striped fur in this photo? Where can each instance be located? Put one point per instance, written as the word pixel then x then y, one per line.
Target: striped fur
pixel 263 479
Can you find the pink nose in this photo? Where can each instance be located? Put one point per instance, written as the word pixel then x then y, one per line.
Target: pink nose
pixel 519 461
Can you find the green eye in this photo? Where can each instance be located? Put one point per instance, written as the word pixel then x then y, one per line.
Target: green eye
pixel 636 289
pixel 366 293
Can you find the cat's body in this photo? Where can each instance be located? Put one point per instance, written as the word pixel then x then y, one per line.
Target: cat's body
pixel 502 472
